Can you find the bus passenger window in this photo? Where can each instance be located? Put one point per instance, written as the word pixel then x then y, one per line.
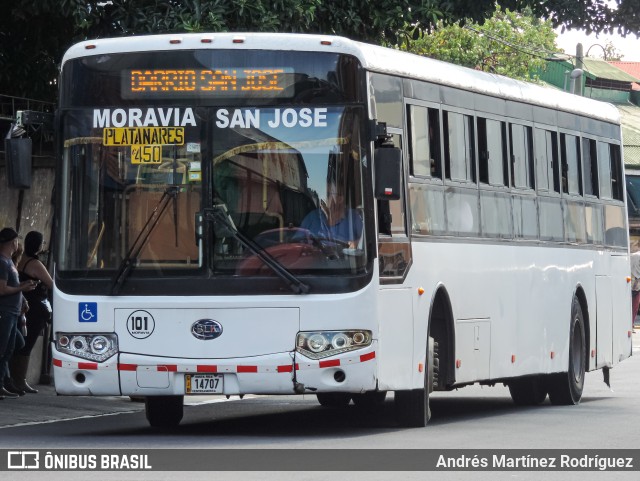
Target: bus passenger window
pixel 492 152
pixel 424 139
pixel 604 170
pixel 458 147
pixel 570 152
pixel 590 166
pixel 546 149
pixel 427 209
pixel 617 173
pixel 521 148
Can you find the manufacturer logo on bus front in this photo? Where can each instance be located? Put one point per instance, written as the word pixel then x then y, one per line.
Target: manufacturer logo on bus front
pixel 206 329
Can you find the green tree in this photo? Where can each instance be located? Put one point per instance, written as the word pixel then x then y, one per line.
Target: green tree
pixel 35 33
pixel 508 43
pixel 608 51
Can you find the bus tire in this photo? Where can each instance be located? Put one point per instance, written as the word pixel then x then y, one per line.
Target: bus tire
pixel 528 391
pixel 412 406
pixel 164 411
pixel 565 388
pixel 334 399
pixel 369 400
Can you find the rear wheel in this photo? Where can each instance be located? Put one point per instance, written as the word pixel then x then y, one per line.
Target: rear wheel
pixel 528 391
pixel 164 411
pixel 566 388
pixel 334 399
pixel 412 406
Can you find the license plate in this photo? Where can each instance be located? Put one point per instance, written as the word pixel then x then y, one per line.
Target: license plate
pixel 203 383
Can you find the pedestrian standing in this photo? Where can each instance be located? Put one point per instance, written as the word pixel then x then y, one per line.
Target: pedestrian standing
pixel 31 267
pixel 11 290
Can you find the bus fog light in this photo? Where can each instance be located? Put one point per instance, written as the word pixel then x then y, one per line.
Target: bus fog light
pixel 321 344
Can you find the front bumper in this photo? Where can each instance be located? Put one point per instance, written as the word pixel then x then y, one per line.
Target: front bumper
pixel 281 373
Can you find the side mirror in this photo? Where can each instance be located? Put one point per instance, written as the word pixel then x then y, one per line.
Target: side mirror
pixel 388 165
pixel 18 158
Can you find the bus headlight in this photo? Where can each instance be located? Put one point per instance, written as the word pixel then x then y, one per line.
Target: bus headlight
pixel 94 347
pixel 320 344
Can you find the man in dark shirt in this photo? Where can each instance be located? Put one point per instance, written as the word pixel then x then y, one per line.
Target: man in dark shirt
pixel 11 290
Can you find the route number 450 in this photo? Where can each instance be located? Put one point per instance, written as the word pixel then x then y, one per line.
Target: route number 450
pixel 146 154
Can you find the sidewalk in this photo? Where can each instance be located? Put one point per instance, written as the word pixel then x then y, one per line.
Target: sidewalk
pixel 48 406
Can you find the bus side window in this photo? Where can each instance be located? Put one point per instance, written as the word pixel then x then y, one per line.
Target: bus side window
pixel 604 170
pixel 521 156
pixel 424 141
pixel 547 165
pixel 459 149
pixel 570 151
pixel 590 166
pixel 617 173
pixel 492 151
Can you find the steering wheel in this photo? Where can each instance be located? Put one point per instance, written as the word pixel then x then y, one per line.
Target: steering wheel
pixel 330 246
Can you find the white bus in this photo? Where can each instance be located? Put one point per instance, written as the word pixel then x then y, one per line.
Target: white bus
pixel 303 214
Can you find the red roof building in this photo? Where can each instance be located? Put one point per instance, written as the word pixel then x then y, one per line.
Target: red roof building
pixel 632 68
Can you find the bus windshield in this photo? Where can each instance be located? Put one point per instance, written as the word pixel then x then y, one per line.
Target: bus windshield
pixel 145 182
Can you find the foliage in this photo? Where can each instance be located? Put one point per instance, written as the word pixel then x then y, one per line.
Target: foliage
pixel 508 44
pixel 35 33
pixel 608 51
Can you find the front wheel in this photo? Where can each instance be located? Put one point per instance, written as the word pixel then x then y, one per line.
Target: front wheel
pixel 334 399
pixel 566 388
pixel 164 411
pixel 370 399
pixel 412 406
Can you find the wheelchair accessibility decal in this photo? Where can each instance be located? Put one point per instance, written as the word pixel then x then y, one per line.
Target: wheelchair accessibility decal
pixel 88 312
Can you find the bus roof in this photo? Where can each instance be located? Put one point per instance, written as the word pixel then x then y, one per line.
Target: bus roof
pixel 372 57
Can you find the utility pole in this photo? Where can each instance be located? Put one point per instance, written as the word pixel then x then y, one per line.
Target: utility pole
pixel 580 66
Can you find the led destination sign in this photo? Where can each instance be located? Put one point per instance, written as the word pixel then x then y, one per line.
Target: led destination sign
pixel 226 82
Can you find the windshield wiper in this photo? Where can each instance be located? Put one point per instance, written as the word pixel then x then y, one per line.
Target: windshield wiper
pixel 128 263
pixel 223 226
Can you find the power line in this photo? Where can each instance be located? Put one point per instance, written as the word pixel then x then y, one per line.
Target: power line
pixel 517 48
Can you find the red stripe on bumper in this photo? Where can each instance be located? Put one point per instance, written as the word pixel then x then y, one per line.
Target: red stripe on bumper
pixel 57 362
pixel 90 366
pixel 330 363
pixel 167 367
pixel 127 367
pixel 247 368
pixel 206 368
pixel 286 368
pixel 368 357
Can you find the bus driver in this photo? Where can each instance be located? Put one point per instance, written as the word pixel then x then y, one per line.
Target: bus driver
pixel 334 220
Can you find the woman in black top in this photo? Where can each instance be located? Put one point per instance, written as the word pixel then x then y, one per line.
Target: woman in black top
pixel 31 268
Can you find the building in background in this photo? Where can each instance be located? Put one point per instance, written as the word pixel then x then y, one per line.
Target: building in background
pixel 618 83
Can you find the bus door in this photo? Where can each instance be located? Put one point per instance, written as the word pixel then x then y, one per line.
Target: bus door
pixel 396 303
